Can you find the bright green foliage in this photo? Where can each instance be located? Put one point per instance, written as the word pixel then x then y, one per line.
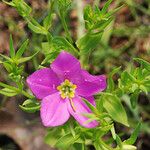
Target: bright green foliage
pixel 22 8
pixel 64 5
pixel 114 108
pixel 109 106
pixel 134 135
pixel 96 21
pixel 30 106
pixel 14 67
pixel 8 92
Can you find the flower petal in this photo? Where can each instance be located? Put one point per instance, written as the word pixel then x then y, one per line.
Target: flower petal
pixel 80 108
pixel 66 66
pixel 54 111
pixel 90 84
pixel 43 82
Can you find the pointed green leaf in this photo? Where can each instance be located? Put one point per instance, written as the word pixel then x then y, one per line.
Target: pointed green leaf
pixel 144 89
pixel 134 135
pixel 119 142
pixel 110 82
pixel 8 92
pixel 111 13
pixel 9 3
pixel 113 132
pixel 143 62
pixel 24 59
pixel 134 99
pixel 30 106
pixel 93 108
pixel 22 49
pixel 113 106
pixel 61 43
pixel 37 29
pixel 128 147
pixel 105 7
pixel 6 57
pixel 50 57
pixel 8 66
pixel 88 42
pixel 51 138
pixel 66 140
pixel 11 46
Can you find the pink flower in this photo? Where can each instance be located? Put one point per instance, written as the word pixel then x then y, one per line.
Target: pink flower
pixel 62 87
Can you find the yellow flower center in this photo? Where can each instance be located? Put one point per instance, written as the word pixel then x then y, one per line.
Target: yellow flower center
pixel 67 89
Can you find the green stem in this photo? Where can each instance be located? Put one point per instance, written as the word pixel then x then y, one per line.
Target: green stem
pixel 27 94
pixel 83 147
pixel 80 30
pixel 49 38
pixel 80 27
pixel 62 17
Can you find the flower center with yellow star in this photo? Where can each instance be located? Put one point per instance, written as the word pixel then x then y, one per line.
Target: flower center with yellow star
pixel 67 89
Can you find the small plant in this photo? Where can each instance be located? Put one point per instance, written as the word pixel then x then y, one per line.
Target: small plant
pixel 65 90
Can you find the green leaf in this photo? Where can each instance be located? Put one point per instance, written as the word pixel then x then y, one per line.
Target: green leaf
pixel 22 49
pixel 24 59
pixel 144 89
pixel 30 106
pixel 97 146
pixel 61 43
pixel 129 76
pixel 99 104
pixel 9 3
pixel 113 132
pixel 93 108
pixel 6 57
pixel 37 29
pixel 105 7
pixel 113 106
pixel 88 42
pixel 66 141
pixel 134 135
pixel 50 57
pixel 23 8
pixel 8 66
pixel 8 92
pixel 46 48
pixel 128 147
pixel 111 13
pixel 51 139
pixel 64 5
pixel 119 142
pixel 134 99
pixel 11 46
pixel 101 25
pixel 48 20
pixel 110 82
pixel 106 128
pixel 88 14
pixel 145 64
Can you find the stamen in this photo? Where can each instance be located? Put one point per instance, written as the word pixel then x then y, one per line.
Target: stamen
pixel 72 105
